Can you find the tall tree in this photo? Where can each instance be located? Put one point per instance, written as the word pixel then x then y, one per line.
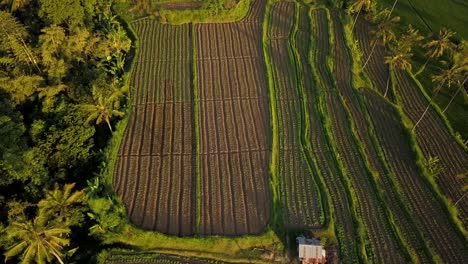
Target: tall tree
pixel 60 205
pixel 358 6
pixel 400 57
pixel 438 46
pixel 36 241
pixel 460 58
pixel 102 110
pixel 14 5
pixel 384 32
pixel 13 36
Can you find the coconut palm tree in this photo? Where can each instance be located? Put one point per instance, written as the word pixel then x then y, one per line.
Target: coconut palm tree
pixel 446 77
pixel 460 59
pixel 438 46
pixel 400 57
pixel 410 39
pixel 14 5
pixel 103 110
pixel 359 5
pixel 59 205
pixel 36 242
pixel 384 32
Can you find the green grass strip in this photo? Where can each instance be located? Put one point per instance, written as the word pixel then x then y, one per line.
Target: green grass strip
pixel 207 14
pixel 277 215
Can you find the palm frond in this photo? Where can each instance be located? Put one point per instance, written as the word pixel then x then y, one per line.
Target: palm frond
pixel 16 250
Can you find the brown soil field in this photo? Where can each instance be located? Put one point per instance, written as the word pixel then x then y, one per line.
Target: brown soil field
pixel 155 168
pixel 234 127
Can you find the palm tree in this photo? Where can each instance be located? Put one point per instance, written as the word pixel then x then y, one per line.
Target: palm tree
pixel 359 5
pixel 58 205
pixel 384 33
pixel 36 242
pixel 446 77
pixel 460 59
pixel 117 94
pixel 14 5
pixel 101 111
pixel 12 40
pixel 437 47
pixel 410 39
pixel 400 57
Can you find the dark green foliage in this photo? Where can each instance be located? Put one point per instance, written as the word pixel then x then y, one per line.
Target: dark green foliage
pixel 55 56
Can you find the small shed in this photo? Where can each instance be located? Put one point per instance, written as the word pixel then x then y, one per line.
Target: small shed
pixel 310 250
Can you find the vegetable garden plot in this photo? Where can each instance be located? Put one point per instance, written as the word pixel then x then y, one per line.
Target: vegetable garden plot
pixel 233 120
pixel 301 198
pixel 435 140
pixel 424 210
pixel 154 174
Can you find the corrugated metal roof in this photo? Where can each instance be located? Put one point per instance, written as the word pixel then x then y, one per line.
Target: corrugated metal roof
pixel 311 251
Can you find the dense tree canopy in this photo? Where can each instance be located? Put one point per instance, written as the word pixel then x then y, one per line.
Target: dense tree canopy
pixel 55 57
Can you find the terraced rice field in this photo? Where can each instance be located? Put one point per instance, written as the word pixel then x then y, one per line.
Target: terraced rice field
pixel 300 193
pixel 435 140
pixel 240 127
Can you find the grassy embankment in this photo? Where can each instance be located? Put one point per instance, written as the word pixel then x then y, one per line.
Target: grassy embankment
pixel 277 214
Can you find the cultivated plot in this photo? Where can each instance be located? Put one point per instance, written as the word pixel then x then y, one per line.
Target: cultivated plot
pixel 234 127
pixel 155 168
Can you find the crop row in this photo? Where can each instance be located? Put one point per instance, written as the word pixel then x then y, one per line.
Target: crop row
pixel 376 68
pixel 345 217
pixel 435 140
pixel 301 197
pixel 430 204
pixel 412 199
pixel 165 48
pixel 364 167
pixel 233 124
